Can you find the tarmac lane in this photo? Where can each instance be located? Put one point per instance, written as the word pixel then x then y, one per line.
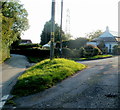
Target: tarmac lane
pixel 94 87
pixel 9 71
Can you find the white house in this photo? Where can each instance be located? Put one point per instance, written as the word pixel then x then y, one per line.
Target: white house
pixel 109 38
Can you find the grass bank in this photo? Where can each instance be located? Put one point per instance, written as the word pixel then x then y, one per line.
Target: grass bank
pixel 44 75
pixel 92 58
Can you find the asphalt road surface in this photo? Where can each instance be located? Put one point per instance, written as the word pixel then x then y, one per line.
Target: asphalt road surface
pixel 11 69
pixel 94 87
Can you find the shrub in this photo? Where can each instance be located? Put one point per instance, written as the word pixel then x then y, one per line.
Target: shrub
pixel 23 46
pixel 82 51
pixel 76 53
pixel 4 52
pixel 91 50
pixel 104 50
pixel 102 47
pixel 32 52
pixel 71 53
pixel 67 53
pixel 116 50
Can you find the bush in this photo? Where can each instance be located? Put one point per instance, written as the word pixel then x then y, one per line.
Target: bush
pixel 45 74
pixel 82 51
pixel 75 44
pixel 76 53
pixel 32 52
pixel 4 52
pixel 91 50
pixel 116 50
pixel 23 46
pixel 67 53
pixel 104 50
pixel 102 47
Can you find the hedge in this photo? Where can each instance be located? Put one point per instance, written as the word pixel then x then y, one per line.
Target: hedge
pixel 23 46
pixel 4 52
pixel 31 52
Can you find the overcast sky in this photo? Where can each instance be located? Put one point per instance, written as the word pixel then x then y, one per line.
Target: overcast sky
pixel 85 16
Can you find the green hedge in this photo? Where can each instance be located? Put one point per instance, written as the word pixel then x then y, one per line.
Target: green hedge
pixel 4 52
pixel 23 46
pixel 116 50
pixel 86 51
pixel 32 52
pixel 43 53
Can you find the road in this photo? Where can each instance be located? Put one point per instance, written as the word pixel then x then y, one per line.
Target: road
pixel 11 69
pixel 94 87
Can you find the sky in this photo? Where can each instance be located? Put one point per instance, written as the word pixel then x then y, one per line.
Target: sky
pixel 85 16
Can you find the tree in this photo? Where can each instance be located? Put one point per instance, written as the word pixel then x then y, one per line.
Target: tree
pixel 14 21
pixel 16 43
pixel 102 47
pixel 77 43
pixel 16 11
pixel 45 36
pixel 68 36
pixel 116 50
pixel 91 50
pixel 95 34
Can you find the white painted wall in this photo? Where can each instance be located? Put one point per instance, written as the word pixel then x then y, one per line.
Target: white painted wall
pixel 107 44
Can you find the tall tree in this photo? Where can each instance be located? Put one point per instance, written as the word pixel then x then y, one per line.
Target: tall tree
pixel 95 34
pixel 14 21
pixel 45 36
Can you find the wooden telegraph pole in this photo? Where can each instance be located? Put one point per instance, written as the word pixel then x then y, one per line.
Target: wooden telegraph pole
pixel 61 28
pixel 52 30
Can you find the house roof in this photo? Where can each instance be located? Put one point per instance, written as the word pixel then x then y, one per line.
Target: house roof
pixel 106 33
pixel 114 33
pixel 107 36
pixel 105 39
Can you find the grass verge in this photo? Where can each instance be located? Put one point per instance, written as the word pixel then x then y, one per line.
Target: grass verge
pixel 44 75
pixel 93 58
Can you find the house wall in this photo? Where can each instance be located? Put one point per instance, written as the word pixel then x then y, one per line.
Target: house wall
pixel 110 46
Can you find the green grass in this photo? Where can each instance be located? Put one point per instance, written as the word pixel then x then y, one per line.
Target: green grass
pixel 44 75
pixel 92 58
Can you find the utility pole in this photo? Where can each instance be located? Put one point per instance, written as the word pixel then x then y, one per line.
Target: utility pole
pixel 61 28
pixel 52 30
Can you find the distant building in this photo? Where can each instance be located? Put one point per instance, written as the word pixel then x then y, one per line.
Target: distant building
pixel 48 45
pixel 26 41
pixel 110 39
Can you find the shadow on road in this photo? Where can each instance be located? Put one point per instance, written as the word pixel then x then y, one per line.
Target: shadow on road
pixel 16 61
pixel 11 69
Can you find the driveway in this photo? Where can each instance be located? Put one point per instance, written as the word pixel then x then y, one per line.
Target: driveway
pixel 94 87
pixel 10 70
